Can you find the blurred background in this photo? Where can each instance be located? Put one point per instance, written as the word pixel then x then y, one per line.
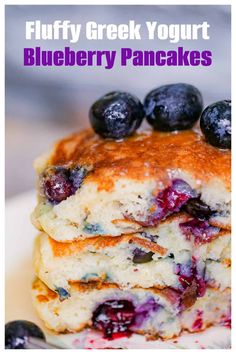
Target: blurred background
pixel 44 104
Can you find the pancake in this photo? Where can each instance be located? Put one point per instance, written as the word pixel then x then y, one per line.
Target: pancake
pixel 158 257
pixel 154 313
pixel 89 186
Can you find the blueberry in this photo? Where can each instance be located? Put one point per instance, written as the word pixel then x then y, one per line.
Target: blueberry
pixel 142 256
pixel 152 238
pixel 116 115
pixel 17 334
pixel 77 176
pixel 56 185
pixel 60 183
pixel 173 107
pixel 114 318
pixel 92 228
pixel 89 276
pixel 63 294
pixel 215 124
pixel 197 208
pixel 201 230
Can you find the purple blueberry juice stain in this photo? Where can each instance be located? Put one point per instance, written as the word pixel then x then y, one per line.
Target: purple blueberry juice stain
pixel 201 286
pixel 226 320
pixel 202 231
pixel 169 201
pixel 198 323
pixel 188 275
pixel 143 311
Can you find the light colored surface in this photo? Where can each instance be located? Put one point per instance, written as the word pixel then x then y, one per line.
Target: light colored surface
pixel 19 243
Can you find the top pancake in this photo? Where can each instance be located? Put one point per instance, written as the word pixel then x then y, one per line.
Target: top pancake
pixel 118 194
pixel 143 156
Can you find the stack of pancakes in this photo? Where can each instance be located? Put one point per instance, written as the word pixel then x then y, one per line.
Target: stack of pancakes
pixel 143 243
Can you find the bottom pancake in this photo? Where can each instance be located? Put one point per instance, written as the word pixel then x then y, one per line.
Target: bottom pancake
pixel 152 312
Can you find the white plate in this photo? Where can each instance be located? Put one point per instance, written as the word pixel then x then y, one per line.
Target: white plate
pixel 19 274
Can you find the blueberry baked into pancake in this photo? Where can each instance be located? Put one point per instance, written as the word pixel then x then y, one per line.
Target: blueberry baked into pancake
pixel 122 187
pixel 160 257
pixel 135 224
pixel 152 312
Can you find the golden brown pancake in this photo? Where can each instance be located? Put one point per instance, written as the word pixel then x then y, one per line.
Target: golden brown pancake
pixel 155 313
pixel 144 155
pixel 124 180
pixel 148 259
